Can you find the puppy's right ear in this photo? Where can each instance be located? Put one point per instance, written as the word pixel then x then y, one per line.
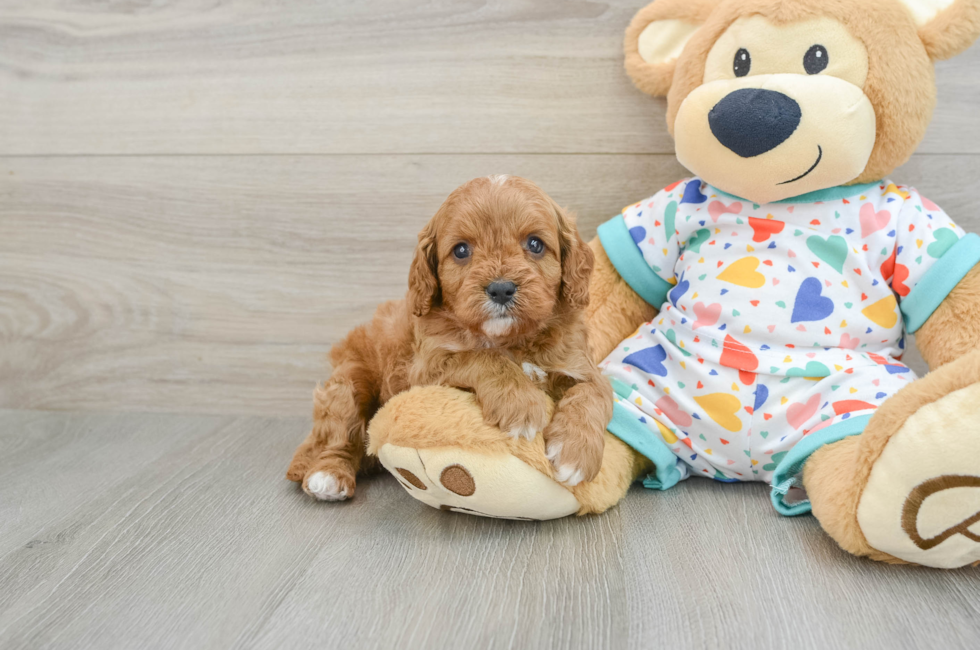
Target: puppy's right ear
pixel 423 277
pixel 657 36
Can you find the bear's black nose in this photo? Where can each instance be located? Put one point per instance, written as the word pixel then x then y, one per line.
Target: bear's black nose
pixel 752 121
pixel 502 291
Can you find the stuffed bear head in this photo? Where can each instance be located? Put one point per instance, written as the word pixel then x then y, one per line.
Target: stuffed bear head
pixel 770 99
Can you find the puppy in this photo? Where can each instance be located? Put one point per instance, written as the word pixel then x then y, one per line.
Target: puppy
pixel 495 305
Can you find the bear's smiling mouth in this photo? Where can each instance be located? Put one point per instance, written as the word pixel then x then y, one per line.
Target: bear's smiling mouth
pixel 819 158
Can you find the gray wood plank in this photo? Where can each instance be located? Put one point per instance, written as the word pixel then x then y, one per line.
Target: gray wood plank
pixel 209 547
pixel 216 284
pixel 385 76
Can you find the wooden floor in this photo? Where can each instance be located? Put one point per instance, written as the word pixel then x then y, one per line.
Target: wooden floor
pixel 178 531
pixel 198 197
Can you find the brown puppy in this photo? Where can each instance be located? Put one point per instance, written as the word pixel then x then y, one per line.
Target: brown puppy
pixel 496 301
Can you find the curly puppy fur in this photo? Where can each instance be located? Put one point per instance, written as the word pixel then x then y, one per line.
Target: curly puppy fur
pixel 522 360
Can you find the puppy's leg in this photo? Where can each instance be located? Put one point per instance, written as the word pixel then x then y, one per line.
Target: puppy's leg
pixel 334 452
pixel 575 438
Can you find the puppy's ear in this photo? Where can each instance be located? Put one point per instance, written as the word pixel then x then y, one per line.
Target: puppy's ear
pixel 946 27
pixel 657 36
pixel 423 277
pixel 576 261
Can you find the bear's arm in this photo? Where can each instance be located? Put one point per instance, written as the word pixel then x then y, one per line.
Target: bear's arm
pixel 615 311
pixel 953 330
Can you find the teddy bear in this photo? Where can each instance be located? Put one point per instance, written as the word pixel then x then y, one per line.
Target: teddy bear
pixel 752 318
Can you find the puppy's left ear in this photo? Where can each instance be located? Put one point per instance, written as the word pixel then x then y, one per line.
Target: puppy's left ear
pixel 576 261
pixel 423 277
pixel 946 27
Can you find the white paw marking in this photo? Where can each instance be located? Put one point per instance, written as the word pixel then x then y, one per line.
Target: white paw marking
pixel 569 475
pixel 533 372
pixel 528 432
pixel 565 474
pixel 325 487
pixel 553 450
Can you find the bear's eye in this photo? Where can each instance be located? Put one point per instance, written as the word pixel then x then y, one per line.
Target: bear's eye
pixel 743 63
pixel 816 60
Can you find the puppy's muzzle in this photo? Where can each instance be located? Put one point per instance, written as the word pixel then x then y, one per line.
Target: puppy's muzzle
pixel 502 292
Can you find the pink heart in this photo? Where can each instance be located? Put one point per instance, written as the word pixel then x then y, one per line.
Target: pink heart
pixel 792 254
pixel 797 414
pixel 871 221
pixel 771 328
pixel 801 328
pixel 717 208
pixel 811 354
pixel 706 316
pixel 929 205
pixel 775 281
pixel 848 343
pixel 673 412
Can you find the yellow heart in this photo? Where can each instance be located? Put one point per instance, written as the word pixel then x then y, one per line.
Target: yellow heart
pixel 744 274
pixel 749 249
pixel 722 407
pixel 854 390
pixel 668 435
pixel 747 329
pixel 882 312
pixel 784 400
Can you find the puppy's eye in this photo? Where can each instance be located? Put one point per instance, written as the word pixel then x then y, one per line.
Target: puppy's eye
pixel 535 246
pixel 816 60
pixel 742 63
pixel 461 251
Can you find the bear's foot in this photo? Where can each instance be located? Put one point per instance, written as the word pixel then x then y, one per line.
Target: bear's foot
pixel 488 485
pixel 908 488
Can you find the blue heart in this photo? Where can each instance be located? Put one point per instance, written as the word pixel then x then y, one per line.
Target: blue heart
pixel 772 244
pixel 810 305
pixel 761 395
pixel 791 269
pixel 649 360
pixel 880 395
pixel 678 291
pixel 896 370
pixel 692 193
pixel 638 233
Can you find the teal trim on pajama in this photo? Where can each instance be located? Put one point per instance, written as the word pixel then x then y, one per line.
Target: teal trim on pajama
pixel 788 473
pixel 625 255
pixel 939 281
pixel 627 427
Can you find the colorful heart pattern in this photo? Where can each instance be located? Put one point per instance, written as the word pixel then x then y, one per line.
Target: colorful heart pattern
pixel 781 319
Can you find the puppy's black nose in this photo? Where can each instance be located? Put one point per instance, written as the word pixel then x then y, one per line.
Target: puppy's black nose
pixel 752 121
pixel 502 291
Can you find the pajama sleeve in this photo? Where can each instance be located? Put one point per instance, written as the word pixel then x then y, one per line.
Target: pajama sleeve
pixel 642 243
pixel 932 254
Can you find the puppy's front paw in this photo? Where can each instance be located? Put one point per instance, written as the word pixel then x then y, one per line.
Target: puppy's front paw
pixel 328 486
pixel 575 453
pixel 521 414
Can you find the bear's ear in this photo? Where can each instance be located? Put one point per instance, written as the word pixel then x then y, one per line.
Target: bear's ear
pixel 657 36
pixel 946 27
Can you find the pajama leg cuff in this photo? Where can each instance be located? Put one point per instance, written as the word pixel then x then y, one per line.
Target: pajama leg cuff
pixel 790 469
pixel 633 431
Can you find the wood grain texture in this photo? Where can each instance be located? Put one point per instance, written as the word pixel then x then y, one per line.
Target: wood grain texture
pixel 217 284
pixel 382 76
pixel 189 537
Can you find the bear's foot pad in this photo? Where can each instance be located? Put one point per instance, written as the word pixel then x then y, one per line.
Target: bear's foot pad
pixel 922 500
